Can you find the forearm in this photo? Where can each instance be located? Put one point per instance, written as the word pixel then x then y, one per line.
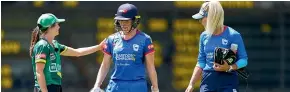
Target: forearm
pixel 153 77
pixel 41 81
pixel 88 50
pixel 241 63
pixel 196 75
pixel 104 69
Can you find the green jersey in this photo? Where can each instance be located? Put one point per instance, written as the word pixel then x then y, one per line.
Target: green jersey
pixel 48 54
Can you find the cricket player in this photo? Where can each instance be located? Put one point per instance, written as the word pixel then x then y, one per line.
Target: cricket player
pixel 45 53
pixel 132 53
pixel 216 77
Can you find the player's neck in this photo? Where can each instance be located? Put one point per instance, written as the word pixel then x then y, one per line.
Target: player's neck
pixel 218 31
pixel 130 35
pixel 49 38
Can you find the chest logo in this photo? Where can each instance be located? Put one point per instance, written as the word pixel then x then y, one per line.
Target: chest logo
pixel 54 67
pixel 135 47
pixel 224 41
pixel 52 56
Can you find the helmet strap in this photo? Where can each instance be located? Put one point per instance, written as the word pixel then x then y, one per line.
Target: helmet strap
pixel 135 23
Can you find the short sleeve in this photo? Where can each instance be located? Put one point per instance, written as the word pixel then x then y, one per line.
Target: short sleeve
pixel 149 48
pixel 107 47
pixel 62 48
pixel 41 53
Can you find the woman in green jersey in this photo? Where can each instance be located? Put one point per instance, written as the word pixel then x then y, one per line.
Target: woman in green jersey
pixel 45 53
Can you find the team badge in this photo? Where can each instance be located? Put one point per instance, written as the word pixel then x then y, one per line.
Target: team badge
pixel 224 41
pixel 135 47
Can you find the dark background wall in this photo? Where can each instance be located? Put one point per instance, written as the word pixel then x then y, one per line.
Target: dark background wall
pixel 264 27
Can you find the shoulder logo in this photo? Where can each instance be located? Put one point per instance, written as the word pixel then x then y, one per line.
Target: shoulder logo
pixel 41 56
pixel 105 46
pixel 150 46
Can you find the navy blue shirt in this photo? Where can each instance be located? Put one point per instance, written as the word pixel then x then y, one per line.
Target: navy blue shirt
pixel 129 55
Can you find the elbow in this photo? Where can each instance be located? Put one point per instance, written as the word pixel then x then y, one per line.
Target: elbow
pixel 39 69
pixel 39 72
pixel 152 72
pixel 106 65
pixel 151 69
pixel 78 53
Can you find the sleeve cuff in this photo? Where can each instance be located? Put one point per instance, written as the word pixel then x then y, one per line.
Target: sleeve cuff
pixel 241 63
pixel 148 52
pixel 65 48
pixel 40 61
pixel 106 52
pixel 200 65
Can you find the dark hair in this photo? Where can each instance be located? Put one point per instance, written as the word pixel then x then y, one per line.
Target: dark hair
pixel 35 35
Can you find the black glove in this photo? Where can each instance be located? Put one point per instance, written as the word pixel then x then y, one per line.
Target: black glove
pixel 223 54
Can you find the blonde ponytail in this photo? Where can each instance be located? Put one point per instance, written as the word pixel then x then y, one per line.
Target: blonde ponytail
pixel 215 18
